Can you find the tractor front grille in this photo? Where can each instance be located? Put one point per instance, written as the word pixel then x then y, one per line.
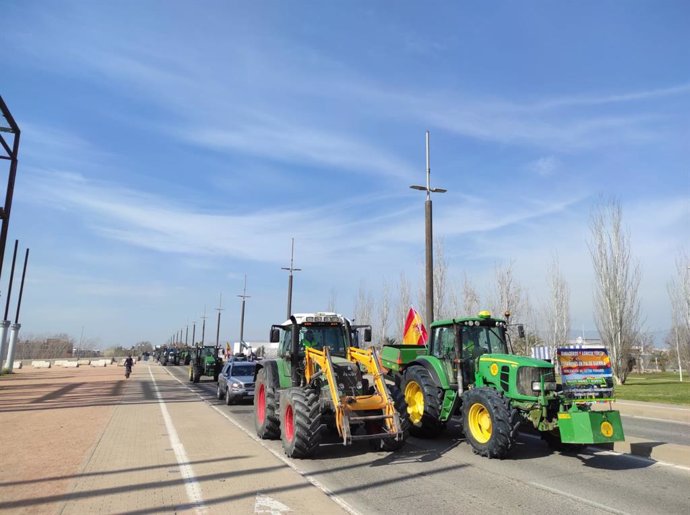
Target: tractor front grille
pixel 527 375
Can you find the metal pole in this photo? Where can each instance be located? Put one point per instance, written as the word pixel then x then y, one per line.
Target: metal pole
pixel 291 269
pixel 21 286
pixel 429 245
pixel 186 336
pixel 9 287
pixel 244 296
pixel 429 238
pixel 193 333
pixel 219 309
pixel 203 327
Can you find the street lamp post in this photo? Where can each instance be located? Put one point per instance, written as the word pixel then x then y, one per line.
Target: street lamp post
pixel 429 243
pixel 244 297
pixel 291 269
pixel 219 309
pixel 203 327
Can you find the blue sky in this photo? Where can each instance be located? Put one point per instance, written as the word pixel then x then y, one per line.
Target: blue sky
pixel 170 148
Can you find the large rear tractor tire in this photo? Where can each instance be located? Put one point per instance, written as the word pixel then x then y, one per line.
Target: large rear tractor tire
pixel 300 421
pixel 423 398
pixel 266 419
pixel 197 374
pixel 490 423
pixel 389 444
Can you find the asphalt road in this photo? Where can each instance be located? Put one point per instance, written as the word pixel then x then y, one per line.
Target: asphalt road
pixel 444 476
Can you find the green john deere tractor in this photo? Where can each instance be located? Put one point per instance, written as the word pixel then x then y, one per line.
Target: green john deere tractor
pixel 204 361
pixel 468 370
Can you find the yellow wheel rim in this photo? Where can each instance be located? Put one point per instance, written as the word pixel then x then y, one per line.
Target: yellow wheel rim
pixel 606 429
pixel 479 422
pixel 414 397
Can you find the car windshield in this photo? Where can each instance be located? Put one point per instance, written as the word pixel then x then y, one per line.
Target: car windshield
pixel 243 370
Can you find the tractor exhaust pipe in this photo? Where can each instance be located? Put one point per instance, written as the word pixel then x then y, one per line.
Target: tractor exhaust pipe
pixel 294 353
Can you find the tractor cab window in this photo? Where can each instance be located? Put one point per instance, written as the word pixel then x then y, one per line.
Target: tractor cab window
pixel 443 342
pixel 482 339
pixel 319 336
pixel 286 341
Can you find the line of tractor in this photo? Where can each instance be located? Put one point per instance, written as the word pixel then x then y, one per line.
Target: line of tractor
pixel 323 384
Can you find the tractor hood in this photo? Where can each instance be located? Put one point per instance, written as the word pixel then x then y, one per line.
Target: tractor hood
pixel 513 360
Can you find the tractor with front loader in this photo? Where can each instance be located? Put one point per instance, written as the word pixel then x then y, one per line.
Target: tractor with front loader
pixel 318 382
pixel 204 361
pixel 468 370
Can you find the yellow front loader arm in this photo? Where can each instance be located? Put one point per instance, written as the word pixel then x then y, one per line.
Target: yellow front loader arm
pixel 348 408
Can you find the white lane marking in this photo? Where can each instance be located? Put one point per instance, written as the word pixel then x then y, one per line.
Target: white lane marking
pixel 266 504
pixel 339 501
pixel 190 483
pixel 576 498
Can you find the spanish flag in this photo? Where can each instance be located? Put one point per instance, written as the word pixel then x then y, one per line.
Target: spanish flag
pixel 414 332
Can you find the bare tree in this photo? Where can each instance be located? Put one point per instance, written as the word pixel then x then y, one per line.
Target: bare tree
pixel 364 304
pixel 557 309
pixel 332 300
pixel 509 297
pixel 679 293
pixel 617 313
pixel 384 310
pixel 404 303
pixel 470 298
pixel 440 282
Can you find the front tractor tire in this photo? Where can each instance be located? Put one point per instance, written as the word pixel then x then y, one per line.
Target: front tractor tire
pixel 423 398
pixel 266 419
pixel 300 422
pixel 489 422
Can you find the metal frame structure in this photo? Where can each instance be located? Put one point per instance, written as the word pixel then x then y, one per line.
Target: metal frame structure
pixel 9 151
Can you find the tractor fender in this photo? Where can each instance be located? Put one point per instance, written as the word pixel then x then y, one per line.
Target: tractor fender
pixel 271 373
pixel 435 368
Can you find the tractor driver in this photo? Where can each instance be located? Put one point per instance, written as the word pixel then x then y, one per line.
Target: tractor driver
pixel 308 341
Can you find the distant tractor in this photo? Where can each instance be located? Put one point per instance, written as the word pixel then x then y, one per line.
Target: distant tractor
pixel 204 361
pixel 468 370
pixel 317 383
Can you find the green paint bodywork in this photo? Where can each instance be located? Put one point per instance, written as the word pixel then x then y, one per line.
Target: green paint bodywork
pixel 585 427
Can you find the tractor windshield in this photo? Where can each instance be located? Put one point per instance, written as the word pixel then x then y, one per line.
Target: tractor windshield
pixel 478 340
pixel 319 336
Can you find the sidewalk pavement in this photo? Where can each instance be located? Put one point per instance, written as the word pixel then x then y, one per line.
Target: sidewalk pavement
pixel 125 453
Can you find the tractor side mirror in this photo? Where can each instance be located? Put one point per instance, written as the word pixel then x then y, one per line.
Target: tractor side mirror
pixel 367 334
pixel 275 335
pixel 521 331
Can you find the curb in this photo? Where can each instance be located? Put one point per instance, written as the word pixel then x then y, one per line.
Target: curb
pixel 665 453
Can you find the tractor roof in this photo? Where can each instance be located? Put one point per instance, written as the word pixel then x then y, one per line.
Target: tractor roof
pixel 318 316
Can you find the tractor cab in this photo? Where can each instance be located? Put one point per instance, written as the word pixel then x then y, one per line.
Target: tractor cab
pixel 459 342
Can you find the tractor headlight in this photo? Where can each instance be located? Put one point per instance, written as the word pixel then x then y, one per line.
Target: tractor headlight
pixel 549 386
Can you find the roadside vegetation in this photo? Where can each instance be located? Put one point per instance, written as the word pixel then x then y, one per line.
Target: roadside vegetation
pixel 661 387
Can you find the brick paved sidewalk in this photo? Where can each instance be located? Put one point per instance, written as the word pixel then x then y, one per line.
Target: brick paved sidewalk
pixel 87 441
